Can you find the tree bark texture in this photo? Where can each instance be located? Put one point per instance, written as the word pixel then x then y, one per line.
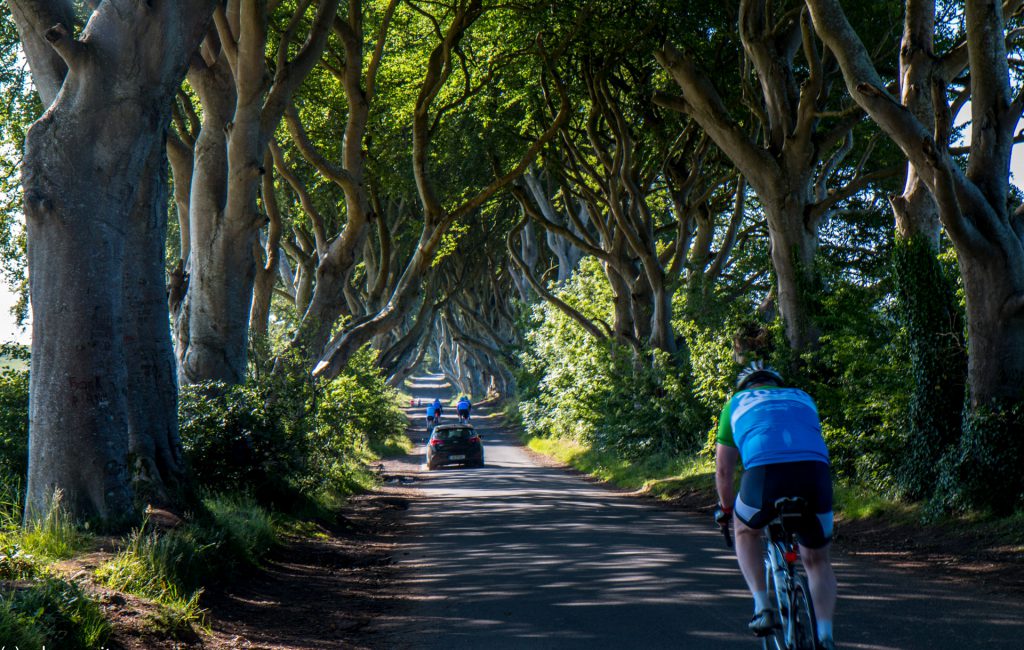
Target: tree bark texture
pixel 103 427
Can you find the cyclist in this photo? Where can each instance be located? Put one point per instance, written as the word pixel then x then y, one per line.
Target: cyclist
pixel 431 415
pixel 437 409
pixel 776 433
pixel 463 407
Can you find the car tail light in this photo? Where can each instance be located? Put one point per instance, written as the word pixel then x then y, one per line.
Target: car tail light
pixel 436 442
pixel 474 439
pixel 790 557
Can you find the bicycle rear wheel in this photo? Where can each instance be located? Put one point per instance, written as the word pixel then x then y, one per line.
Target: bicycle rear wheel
pixel 805 627
pixel 776 640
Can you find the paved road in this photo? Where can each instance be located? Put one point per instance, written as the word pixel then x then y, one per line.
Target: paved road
pixel 515 555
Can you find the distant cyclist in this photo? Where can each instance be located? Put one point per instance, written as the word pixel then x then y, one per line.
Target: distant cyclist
pixel 437 409
pixel 776 433
pixel 431 415
pixel 464 407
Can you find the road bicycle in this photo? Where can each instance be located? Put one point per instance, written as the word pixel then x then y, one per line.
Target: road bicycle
pixel 787 586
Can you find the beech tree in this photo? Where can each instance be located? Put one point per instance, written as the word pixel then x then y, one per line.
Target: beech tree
pixel 800 173
pixel 103 421
pixel 975 207
pixel 244 95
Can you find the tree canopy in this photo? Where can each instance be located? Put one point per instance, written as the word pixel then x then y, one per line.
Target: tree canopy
pixel 595 208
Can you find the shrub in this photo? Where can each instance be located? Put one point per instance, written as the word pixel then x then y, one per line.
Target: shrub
pixel 983 471
pixel 13 411
pixel 285 440
pixel 236 439
pixel 617 399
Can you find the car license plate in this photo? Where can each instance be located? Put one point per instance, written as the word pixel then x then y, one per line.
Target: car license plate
pixel 457 457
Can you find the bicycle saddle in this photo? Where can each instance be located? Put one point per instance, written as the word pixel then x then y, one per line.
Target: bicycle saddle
pixel 791 505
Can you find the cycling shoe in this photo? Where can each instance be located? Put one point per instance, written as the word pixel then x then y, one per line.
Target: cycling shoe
pixel 764 622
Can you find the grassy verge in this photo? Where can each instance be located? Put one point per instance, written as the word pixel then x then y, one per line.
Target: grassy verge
pixel 660 475
pixel 36 605
pixel 392 446
pixel 171 567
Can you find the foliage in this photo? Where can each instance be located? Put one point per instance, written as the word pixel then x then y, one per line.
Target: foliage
pixel 601 394
pixel 938 363
pixel 357 411
pixel 982 472
pixel 236 438
pixel 14 412
pixel 19 106
pixel 284 439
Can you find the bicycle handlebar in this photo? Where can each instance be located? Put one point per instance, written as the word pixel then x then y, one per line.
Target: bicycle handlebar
pixel 728 536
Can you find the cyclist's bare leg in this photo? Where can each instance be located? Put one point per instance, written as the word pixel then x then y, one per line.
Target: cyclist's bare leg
pixel 822 580
pixel 750 555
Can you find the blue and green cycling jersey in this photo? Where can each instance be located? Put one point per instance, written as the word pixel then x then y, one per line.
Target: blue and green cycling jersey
pixel 771 425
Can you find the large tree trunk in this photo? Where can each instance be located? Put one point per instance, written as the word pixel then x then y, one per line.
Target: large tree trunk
pixel 926 300
pixel 793 250
pixel 225 219
pixel 96 206
pixel 155 453
pixel 995 327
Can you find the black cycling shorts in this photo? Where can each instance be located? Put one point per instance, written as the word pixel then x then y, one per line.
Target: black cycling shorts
pixel 763 485
pixel 464 413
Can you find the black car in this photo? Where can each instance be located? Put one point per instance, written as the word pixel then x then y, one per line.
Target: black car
pixel 454 444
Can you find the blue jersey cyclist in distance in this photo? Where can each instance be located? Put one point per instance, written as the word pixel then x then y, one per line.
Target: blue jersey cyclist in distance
pixel 463 407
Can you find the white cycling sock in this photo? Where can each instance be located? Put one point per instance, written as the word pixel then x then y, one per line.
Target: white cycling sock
pixel 760 601
pixel 824 629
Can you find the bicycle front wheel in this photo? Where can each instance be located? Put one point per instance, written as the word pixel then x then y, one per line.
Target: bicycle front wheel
pixel 805 627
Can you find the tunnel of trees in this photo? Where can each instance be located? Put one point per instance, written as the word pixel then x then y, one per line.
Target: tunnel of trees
pixel 258 211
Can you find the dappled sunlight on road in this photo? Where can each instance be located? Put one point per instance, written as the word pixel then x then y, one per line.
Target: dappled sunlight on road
pixel 513 555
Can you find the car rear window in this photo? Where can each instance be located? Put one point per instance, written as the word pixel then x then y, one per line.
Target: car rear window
pixel 454 434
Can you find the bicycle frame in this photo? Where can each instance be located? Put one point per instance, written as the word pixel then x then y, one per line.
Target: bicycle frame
pixel 787 587
pixel 790 590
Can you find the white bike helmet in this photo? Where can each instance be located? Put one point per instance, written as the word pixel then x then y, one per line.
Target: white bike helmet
pixel 755 372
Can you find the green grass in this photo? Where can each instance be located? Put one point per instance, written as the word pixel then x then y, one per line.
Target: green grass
pixel 171 567
pixel 17 628
pixel 49 538
pixel 392 446
pixel 53 611
pixel 857 503
pixel 660 475
pixel 55 536
pixel 249 531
